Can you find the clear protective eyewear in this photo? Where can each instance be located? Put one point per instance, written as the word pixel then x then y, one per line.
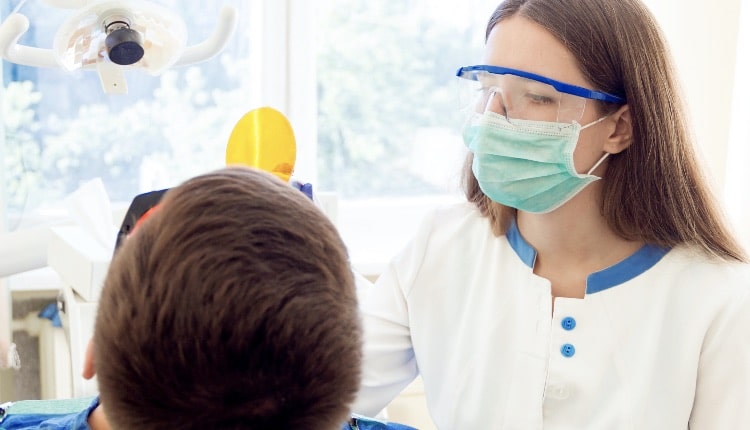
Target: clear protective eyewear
pixel 519 95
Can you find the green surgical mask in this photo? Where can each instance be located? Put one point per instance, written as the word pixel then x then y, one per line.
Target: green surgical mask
pixel 527 165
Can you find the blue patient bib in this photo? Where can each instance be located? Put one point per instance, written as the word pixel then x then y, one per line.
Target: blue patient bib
pixel 358 422
pixel 69 414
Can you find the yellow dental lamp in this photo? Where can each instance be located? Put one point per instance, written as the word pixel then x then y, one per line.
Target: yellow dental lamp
pixel 263 138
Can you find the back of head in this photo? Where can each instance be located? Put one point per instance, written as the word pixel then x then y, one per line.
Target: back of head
pixel 654 191
pixel 233 306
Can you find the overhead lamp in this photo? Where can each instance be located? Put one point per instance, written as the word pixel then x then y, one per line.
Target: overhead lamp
pixel 110 36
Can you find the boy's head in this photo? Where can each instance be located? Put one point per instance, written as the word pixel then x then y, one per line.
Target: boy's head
pixel 232 306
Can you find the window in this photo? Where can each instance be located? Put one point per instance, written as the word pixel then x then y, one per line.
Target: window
pixel 385 137
pixel 389 139
pixel 62 130
pixel 368 87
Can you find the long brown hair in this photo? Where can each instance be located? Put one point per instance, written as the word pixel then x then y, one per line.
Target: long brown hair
pixel 655 190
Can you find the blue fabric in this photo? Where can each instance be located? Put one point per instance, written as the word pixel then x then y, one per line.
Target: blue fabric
pixel 49 414
pixel 307 189
pixel 525 252
pixel 51 313
pixel 73 415
pixel 362 423
pixel 644 259
pixel 639 262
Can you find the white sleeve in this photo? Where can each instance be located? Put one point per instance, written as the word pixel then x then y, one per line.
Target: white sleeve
pixel 721 397
pixel 389 364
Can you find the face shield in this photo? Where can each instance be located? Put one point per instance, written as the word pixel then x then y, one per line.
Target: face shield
pixel 519 95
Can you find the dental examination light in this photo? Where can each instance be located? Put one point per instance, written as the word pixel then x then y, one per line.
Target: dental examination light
pixel 262 138
pixel 109 36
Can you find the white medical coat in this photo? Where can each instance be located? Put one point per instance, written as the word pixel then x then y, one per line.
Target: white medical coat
pixel 660 341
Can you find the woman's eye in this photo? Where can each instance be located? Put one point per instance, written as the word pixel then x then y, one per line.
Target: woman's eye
pixel 539 99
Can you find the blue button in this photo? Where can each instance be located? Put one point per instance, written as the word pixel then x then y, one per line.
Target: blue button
pixel 568 350
pixel 568 323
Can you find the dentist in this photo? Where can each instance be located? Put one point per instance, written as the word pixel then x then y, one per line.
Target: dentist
pixel 589 281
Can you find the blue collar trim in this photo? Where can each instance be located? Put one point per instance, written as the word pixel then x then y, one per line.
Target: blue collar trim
pixel 525 252
pixel 637 263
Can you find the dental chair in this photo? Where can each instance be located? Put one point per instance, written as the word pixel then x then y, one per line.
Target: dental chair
pixel 82 264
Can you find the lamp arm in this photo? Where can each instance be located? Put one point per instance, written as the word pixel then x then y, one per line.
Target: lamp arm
pixel 11 30
pixel 215 43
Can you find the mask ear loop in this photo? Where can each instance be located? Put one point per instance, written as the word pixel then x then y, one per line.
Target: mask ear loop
pixel 604 157
pixel 606 154
pixel 595 122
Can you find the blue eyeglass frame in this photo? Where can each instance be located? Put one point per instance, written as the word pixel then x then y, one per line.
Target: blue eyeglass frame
pixel 559 86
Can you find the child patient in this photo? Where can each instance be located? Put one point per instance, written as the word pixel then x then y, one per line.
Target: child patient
pixel 233 306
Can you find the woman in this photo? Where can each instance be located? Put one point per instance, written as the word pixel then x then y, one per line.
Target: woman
pixel 589 282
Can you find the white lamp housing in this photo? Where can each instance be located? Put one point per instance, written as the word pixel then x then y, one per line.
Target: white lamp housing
pixel 110 35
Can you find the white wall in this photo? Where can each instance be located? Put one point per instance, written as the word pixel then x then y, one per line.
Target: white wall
pixel 711 47
pixel 738 175
pixel 703 38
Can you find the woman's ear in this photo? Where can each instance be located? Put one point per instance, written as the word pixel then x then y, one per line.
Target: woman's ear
pixel 622 134
pixel 89 370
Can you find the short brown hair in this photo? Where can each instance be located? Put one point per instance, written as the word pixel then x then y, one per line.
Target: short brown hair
pixel 654 191
pixel 232 306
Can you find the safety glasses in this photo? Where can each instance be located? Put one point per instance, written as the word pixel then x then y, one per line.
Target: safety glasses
pixel 520 95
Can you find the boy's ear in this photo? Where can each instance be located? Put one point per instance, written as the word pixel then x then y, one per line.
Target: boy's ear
pixel 622 135
pixel 89 370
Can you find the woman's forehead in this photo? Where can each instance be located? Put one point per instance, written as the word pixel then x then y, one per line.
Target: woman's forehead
pixel 520 43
